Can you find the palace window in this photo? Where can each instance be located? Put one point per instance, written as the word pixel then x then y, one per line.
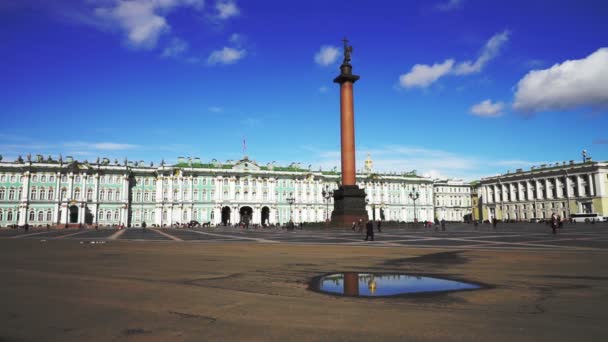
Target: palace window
pixel 195 181
pixel 116 215
pixel 108 215
pixel 195 195
pixel 40 216
pixel 77 194
pixel 225 181
pixel 212 194
pixel 185 216
pixel 204 181
pixel 2 178
pixel 33 193
pixel 117 195
pixel 49 216
pixel 195 215
pixel 212 181
pixel 9 216
pixel 138 196
pixel 146 196
pixel 90 195
pixel 2 194
pixel 165 195
pixel 186 197
pixel 64 179
pixel 42 194
pixel 34 178
pixel 147 182
pixel 175 193
pixel 102 195
pixel 43 179
pixel 164 215
pixel 11 194
pixel 77 180
pixel 110 193
pixel 165 181
pixel 31 217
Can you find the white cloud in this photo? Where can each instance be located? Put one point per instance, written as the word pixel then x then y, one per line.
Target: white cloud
pixel 215 109
pixel 422 75
pixel 237 39
pixel 226 55
pixel 490 50
pixel 449 5
pixel 143 21
pixel 323 89
pixel 487 109
pixel 571 84
pixel 327 55
pixel 111 146
pixel 175 48
pixel 227 9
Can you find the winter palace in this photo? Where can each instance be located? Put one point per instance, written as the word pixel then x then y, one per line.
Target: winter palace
pixel 42 190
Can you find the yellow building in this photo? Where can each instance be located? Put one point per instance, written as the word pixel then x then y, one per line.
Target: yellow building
pixel 563 189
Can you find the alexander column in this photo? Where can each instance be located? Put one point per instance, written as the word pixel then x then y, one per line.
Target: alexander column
pixel 349 200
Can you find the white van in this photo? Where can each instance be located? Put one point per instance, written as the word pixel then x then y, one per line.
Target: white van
pixel 587 217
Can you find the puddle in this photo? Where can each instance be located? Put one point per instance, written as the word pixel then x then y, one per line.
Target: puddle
pixel 355 284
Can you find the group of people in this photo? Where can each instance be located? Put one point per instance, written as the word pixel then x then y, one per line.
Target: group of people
pixel 369 228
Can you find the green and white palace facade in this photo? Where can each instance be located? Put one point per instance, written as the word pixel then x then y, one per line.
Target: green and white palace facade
pixel 44 191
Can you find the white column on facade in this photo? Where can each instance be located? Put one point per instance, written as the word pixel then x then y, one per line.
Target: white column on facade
pixel 601 181
pixel 232 191
pixel 591 184
pixel 578 186
pixel 81 211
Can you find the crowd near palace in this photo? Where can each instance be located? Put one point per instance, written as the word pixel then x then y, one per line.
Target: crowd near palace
pixel 41 191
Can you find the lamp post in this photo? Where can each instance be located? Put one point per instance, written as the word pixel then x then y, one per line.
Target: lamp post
pixel 290 200
pixel 326 196
pixel 414 195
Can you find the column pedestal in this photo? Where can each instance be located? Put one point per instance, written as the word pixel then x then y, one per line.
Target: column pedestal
pixel 349 206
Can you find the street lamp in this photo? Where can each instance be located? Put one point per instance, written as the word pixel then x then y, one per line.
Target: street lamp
pixel 290 200
pixel 414 196
pixel 326 196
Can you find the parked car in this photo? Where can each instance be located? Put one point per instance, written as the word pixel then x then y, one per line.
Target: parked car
pixel 194 223
pixel 535 220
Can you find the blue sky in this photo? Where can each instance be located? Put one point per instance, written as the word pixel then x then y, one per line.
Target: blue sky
pixel 451 88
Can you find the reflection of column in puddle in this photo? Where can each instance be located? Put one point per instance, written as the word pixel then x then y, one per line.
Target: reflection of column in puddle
pixel 351 283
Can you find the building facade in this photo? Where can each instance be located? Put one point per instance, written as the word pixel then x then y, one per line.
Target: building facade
pixel 452 200
pixel 41 191
pixel 562 189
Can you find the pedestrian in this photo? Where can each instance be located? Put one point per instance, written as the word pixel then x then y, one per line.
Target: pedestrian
pixel 554 223
pixel 354 226
pixel 443 224
pixel 494 222
pixel 360 227
pixel 379 224
pixel 560 223
pixel 370 230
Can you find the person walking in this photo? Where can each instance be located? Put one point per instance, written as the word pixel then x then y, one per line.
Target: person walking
pixel 443 225
pixel 554 223
pixel 379 224
pixel 354 226
pixel 360 227
pixel 370 230
pixel 494 222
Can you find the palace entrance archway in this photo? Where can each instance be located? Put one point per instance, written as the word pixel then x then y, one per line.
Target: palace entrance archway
pixel 246 215
pixel 225 215
pixel 265 216
pixel 73 214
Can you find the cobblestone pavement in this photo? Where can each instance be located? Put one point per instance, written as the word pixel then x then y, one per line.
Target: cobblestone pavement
pixel 461 236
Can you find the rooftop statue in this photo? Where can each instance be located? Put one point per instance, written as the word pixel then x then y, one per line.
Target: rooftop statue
pixel 348 50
